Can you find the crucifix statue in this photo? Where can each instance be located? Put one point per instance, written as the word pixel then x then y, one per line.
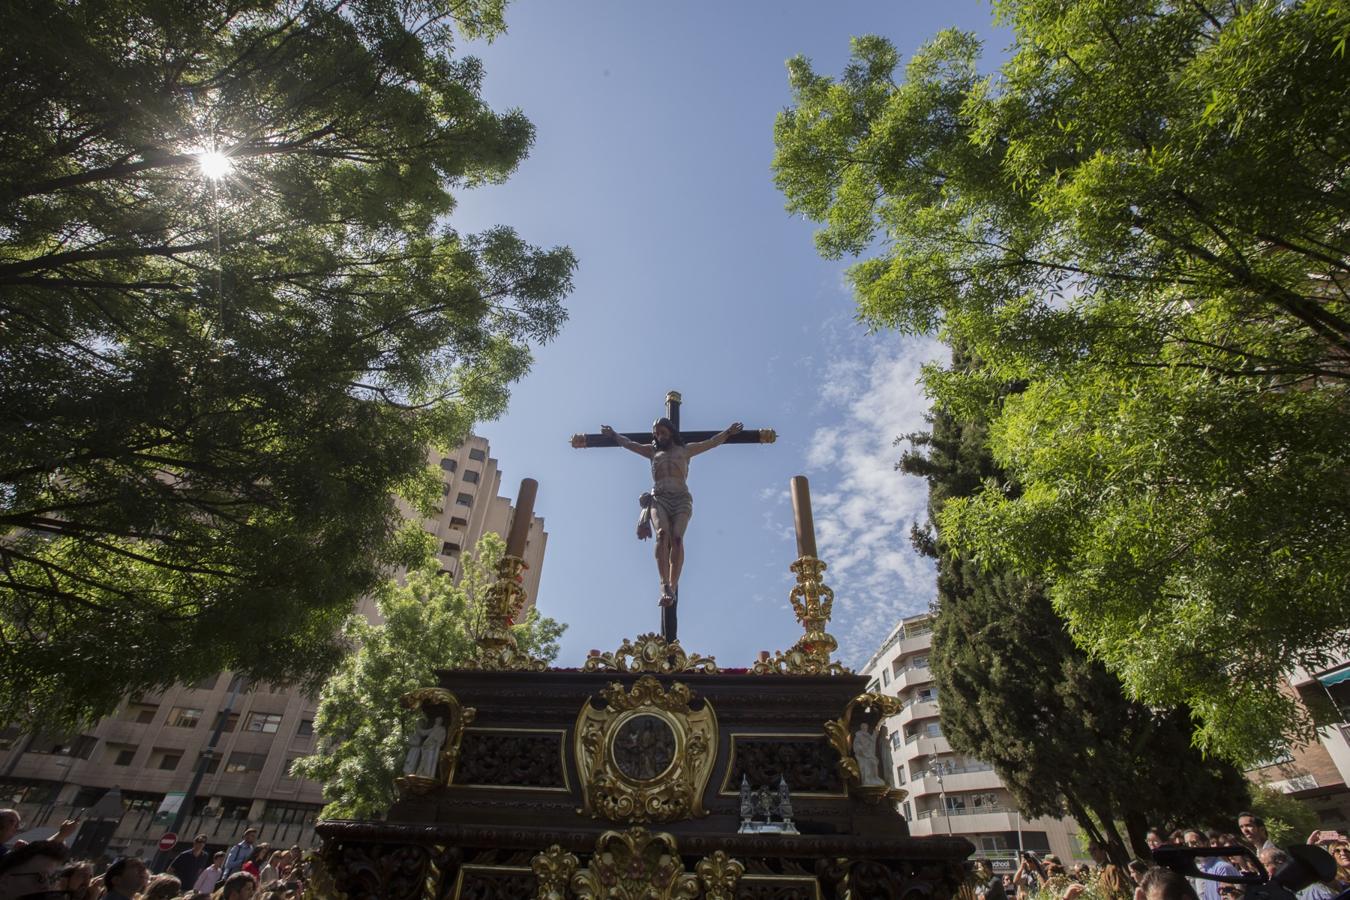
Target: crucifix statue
pixel 669 503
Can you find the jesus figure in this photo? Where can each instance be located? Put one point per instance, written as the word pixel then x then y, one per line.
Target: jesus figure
pixel 672 504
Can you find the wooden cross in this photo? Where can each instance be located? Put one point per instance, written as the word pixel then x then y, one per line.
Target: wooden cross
pixel 748 436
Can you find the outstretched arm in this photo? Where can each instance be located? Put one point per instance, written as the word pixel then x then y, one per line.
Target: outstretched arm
pixel 644 450
pixel 716 440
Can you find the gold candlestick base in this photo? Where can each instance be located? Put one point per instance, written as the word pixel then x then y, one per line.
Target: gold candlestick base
pixel 812 601
pixel 497 648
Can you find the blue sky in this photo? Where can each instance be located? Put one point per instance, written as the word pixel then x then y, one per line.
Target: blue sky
pixel 654 139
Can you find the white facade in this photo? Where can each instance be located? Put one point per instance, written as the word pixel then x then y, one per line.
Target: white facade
pixel 950 793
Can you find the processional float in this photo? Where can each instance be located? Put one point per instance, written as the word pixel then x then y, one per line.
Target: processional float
pixel 648 772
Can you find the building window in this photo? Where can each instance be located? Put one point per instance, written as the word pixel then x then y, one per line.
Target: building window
pixel 241 684
pixel 235 807
pixel 464 500
pixel 457 522
pixel 121 756
pixel 290 813
pixel 449 548
pixel 184 717
pixel 208 683
pixel 920 662
pixel 212 761
pixel 899 774
pixel 142 713
pixel 885 676
pixel 895 742
pixel 873 687
pixel 470 475
pixel 245 762
pixel 449 465
pixel 477 455
pixel 266 723
pixel 230 724
pixel 306 728
pixel 140 801
pixel 167 760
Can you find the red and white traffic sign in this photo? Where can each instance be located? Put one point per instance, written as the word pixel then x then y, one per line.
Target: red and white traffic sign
pixel 169 841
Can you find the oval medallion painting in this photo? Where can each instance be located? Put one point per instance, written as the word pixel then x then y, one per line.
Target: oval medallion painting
pixel 644 747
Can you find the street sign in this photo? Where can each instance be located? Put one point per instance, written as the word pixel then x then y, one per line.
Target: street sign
pixel 168 842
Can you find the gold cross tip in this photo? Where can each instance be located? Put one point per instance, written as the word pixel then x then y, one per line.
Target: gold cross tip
pixel 673 397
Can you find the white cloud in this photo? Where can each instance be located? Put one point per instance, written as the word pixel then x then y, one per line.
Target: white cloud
pixel 863 506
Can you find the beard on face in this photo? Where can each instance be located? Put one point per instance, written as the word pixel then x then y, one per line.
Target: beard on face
pixel 664 441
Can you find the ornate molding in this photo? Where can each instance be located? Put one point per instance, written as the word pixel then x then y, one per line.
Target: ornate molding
pixel 433 702
pixel 321 884
pixel 812 600
pixel 553 869
pixel 647 754
pixel 840 733
pixel 497 649
pixel 719 874
pixel 635 865
pixel 650 653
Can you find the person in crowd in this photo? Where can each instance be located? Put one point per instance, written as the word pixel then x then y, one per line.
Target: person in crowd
pixel 254 866
pixel 212 875
pixel 162 887
pixel 1214 865
pixel 1163 884
pixel 30 869
pixel 191 862
pixel 1340 852
pixel 1111 882
pixel 1154 839
pixel 241 852
pixel 1029 876
pixel 268 872
pixel 1137 869
pixel 75 879
pixel 239 886
pixel 1177 838
pixel 1272 859
pixel 988 885
pixel 1254 833
pixel 125 878
pixel 11 823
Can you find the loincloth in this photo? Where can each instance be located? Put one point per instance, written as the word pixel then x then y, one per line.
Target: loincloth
pixel 672 504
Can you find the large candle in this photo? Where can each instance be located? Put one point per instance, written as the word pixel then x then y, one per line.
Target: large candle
pixel 520 522
pixel 801 516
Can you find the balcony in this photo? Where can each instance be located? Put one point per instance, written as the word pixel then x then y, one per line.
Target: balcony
pixel 911 676
pixel 979 820
pixel 918 709
pixel 972 778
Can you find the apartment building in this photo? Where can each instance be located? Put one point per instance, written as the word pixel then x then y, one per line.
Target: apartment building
pixel 149 749
pixel 950 793
pixel 1318 773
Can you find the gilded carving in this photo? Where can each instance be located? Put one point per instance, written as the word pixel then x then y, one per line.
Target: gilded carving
pixel 650 653
pixel 840 731
pixel 635 865
pixel 812 601
pixel 553 869
pixel 497 649
pixel 438 702
pixel 646 754
pixel 719 874
pixel 320 883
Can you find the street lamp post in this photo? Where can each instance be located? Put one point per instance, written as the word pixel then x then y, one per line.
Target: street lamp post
pixel 935 768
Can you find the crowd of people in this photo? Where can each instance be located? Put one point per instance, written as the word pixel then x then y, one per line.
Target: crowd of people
pixel 1047 878
pixel 250 870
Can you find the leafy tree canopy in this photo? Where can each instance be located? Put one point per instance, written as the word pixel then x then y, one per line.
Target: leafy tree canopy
pixel 1018 693
pixel 429 623
pixel 1140 220
pixel 232 319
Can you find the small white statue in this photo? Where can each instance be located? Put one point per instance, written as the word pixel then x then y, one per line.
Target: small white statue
pixel 747 800
pixel 865 754
pixel 885 762
pixel 424 749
